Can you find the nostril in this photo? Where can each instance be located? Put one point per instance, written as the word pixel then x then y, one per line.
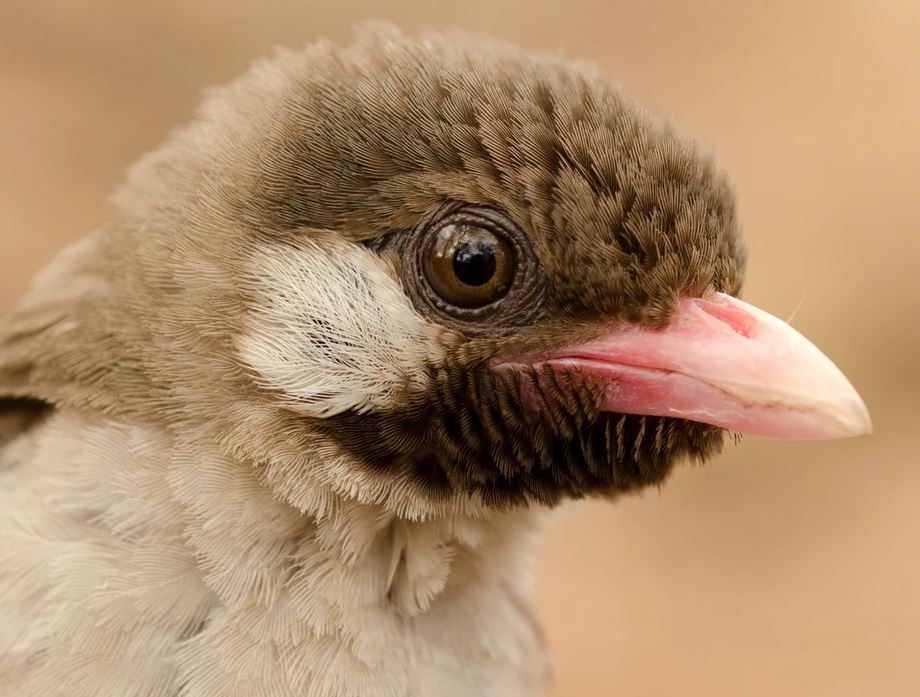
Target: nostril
pixel 735 317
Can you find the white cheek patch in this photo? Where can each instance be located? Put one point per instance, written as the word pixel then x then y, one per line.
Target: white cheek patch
pixel 331 330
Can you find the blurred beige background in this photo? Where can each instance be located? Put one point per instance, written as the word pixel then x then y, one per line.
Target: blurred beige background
pixel 781 568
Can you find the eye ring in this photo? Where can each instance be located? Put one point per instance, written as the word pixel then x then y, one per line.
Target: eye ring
pixel 468 266
pixel 516 296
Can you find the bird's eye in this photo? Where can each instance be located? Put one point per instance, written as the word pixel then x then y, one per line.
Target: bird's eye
pixel 473 268
pixel 468 265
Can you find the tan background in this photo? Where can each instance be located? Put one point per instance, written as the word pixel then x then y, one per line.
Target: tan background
pixel 780 569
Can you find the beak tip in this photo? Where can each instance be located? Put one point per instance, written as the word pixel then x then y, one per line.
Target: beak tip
pixel 862 420
pixel 852 419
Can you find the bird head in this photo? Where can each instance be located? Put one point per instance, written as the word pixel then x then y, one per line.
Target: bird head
pixel 439 274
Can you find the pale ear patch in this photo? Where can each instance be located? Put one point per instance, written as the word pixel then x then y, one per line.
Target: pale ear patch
pixel 331 330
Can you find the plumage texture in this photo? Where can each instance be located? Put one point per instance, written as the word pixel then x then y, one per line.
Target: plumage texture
pixel 134 564
pixel 264 467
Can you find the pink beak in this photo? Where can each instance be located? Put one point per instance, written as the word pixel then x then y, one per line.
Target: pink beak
pixel 724 362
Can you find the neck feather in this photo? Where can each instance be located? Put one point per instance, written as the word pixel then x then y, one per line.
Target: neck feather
pixel 356 582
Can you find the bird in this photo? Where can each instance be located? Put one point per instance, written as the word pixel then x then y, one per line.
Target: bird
pixel 290 423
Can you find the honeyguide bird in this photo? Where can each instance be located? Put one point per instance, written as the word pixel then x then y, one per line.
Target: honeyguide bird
pixel 289 423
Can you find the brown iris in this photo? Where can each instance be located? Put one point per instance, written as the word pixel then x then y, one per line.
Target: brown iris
pixel 468 266
pixel 473 269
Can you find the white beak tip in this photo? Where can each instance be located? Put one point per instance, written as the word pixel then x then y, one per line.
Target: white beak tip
pixel 858 421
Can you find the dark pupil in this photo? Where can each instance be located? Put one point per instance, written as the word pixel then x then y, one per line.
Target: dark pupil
pixel 474 263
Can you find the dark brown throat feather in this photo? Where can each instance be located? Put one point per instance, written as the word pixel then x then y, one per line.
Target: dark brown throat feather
pixel 471 434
